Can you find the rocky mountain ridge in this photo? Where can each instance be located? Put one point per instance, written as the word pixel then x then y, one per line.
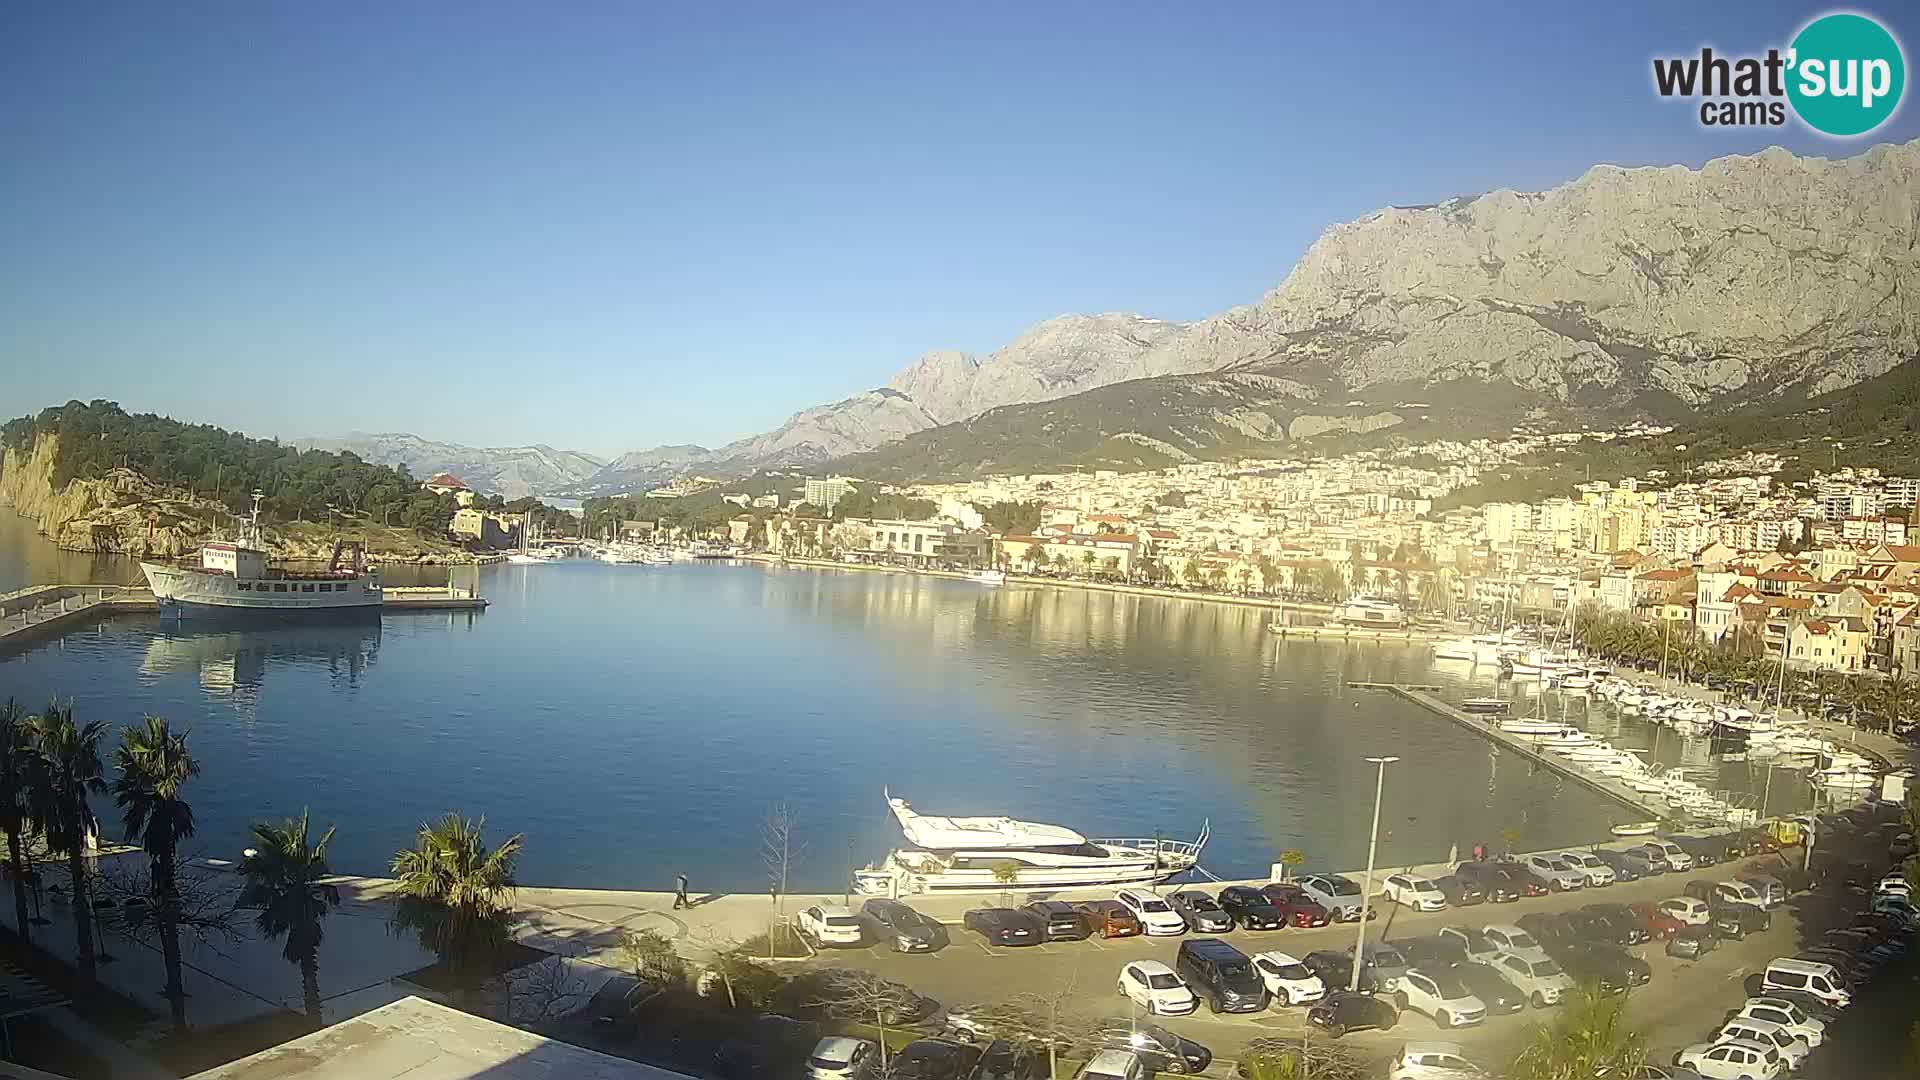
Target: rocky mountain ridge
pixel 508 471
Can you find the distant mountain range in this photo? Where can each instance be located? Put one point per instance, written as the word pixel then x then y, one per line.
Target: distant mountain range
pixel 1663 292
pixel 510 471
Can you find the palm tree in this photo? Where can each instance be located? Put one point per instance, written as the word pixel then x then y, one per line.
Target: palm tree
pixel 284 886
pixel 16 750
pixel 154 763
pixel 63 773
pixel 1589 1037
pixel 455 894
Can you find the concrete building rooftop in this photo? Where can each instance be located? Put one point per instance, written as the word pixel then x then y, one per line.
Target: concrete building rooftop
pixel 420 1040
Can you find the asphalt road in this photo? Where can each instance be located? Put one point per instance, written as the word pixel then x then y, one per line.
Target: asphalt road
pixel 1682 1003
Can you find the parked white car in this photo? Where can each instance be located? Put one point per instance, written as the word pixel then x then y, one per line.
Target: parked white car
pixel 829 924
pixel 837 1057
pixel 1511 938
pixel 1767 1033
pixel 1598 873
pixel 1441 996
pixel 1688 910
pixel 1675 855
pixel 1414 891
pixel 1339 895
pixel 1433 1061
pixel 1154 987
pixel 1288 980
pixel 1732 1061
pixel 1894 885
pixel 1788 1015
pixel 1538 977
pixel 1156 916
pixel 1555 872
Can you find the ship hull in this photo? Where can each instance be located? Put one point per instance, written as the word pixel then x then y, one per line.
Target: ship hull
pixel 181 590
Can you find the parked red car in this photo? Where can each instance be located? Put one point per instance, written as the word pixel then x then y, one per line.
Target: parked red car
pixel 1109 918
pixel 1300 909
pixel 1516 878
pixel 1656 922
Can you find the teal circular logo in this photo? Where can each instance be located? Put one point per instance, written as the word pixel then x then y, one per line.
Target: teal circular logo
pixel 1847 74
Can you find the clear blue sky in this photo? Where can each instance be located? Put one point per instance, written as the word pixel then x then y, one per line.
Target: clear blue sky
pixel 607 226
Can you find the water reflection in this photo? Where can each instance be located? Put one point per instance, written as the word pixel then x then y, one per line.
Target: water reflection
pixel 231 657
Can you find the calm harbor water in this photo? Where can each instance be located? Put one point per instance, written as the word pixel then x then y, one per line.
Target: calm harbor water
pixel 635 721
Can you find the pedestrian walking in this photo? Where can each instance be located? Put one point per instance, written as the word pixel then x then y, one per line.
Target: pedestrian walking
pixel 680 892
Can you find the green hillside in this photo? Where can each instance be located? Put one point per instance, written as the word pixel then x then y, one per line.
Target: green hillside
pixel 98 436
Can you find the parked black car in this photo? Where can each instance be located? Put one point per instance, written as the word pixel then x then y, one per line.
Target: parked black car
pixel 1691 943
pixel 1613 970
pixel 1336 970
pixel 1486 984
pixel 935 1059
pixel 1432 952
pixel 1062 920
pixel 1221 975
pixel 1550 929
pixel 771 1045
pixel 1624 918
pixel 1489 879
pixel 1250 909
pixel 901 927
pixel 1160 1050
pixel 1624 869
pixel 1006 926
pixel 1599 929
pixel 1706 851
pixel 1460 892
pixel 1341 1012
pixel 1736 921
pixel 1202 912
pixel 1007 1059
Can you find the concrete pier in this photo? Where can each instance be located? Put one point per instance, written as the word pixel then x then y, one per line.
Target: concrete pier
pixel 1488 727
pixel 42 611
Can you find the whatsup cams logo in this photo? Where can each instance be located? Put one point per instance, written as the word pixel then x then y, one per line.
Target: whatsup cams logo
pixel 1843 75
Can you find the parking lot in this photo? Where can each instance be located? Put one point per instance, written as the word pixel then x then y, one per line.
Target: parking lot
pixel 1684 1000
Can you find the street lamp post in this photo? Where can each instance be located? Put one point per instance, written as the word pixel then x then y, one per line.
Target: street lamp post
pixel 1366 890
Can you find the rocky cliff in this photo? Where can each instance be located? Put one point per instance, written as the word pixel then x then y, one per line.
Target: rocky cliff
pixel 124 513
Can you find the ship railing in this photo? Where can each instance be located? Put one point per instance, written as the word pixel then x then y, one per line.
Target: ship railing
pixel 1176 850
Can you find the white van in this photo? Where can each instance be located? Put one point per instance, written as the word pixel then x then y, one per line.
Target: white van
pixel 1808 976
pixel 1740 892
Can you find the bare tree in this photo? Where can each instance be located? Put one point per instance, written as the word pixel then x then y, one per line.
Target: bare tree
pixel 202 903
pixel 862 996
pixel 546 991
pixel 1053 1018
pixel 779 850
pixel 1279 1058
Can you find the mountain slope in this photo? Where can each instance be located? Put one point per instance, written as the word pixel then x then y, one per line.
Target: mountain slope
pixel 1660 292
pixel 510 471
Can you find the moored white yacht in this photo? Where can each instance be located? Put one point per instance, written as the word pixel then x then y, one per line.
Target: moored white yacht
pixel 1371 611
pixel 965 854
pixel 988 577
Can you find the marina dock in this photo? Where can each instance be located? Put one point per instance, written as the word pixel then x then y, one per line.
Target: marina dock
pixel 1645 806
pixel 42 611
pixel 38 612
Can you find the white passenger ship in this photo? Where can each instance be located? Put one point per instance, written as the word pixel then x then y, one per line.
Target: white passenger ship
pixel 1371 611
pixel 234 576
pixel 964 854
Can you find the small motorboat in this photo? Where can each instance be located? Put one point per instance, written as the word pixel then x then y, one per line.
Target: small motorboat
pixel 1639 828
pixel 1485 705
